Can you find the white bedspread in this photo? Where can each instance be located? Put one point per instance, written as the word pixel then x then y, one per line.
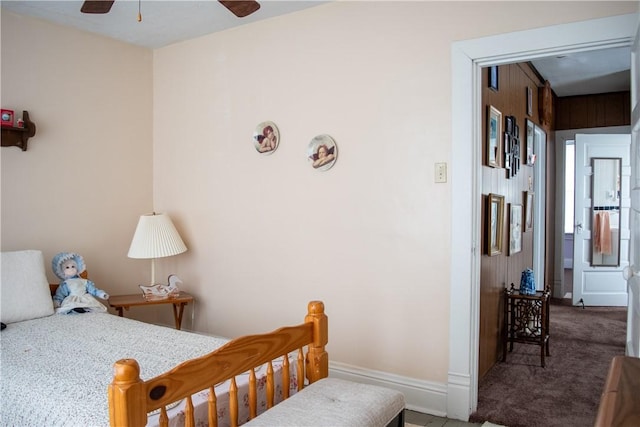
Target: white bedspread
pixel 71 357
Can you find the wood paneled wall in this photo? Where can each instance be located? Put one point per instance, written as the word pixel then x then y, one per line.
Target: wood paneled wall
pixel 499 271
pixel 590 111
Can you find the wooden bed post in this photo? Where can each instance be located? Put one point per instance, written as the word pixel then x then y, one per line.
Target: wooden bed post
pixel 127 400
pixel 317 358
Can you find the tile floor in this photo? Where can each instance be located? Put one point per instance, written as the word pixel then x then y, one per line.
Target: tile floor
pixel 420 419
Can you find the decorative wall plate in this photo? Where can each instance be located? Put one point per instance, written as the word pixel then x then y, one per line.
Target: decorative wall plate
pixel 322 152
pixel 266 137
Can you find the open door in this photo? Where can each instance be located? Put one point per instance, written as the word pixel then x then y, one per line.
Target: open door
pixel 601 236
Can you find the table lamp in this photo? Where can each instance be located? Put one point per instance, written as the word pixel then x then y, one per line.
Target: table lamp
pixel 155 237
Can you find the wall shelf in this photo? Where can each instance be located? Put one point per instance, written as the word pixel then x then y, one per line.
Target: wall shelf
pixel 18 137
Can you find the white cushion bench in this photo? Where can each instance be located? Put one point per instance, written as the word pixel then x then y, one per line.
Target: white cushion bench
pixel 335 402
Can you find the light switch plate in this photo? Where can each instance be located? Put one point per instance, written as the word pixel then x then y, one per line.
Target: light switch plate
pixel 441 172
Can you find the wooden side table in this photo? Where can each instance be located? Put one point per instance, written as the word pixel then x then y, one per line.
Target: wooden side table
pixel 120 302
pixel 526 320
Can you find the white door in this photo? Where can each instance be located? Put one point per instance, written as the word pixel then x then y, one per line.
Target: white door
pixel 597 273
pixel 633 310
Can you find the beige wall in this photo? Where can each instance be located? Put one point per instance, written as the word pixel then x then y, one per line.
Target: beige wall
pixel 370 237
pixel 87 174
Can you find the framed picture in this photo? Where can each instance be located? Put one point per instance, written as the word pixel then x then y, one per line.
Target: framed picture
pixel 509 125
pixel 494 224
pixel 529 102
pixel 493 78
pixel 528 210
pixel 322 152
pixel 515 156
pixel 530 157
pixel 266 137
pixel 515 228
pixel 507 153
pixel 494 137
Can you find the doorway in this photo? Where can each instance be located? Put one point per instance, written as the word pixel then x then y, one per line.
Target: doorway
pixel 467 59
pixel 565 153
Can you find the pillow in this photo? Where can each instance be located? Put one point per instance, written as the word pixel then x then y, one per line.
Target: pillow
pixel 24 289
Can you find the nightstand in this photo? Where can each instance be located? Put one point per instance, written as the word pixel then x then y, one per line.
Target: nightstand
pixel 123 302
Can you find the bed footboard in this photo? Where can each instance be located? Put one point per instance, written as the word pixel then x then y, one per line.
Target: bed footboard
pixel 130 398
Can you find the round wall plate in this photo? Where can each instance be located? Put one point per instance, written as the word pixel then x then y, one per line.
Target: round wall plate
pixel 266 138
pixel 322 152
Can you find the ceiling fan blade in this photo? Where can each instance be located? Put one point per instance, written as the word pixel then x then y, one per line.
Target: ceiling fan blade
pixel 241 8
pixel 96 6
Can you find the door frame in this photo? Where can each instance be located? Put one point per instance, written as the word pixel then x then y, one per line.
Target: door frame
pixel 467 59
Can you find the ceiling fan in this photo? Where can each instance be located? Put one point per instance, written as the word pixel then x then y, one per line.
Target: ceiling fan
pixel 240 8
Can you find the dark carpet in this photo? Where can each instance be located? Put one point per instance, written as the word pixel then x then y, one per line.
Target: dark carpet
pixel 566 393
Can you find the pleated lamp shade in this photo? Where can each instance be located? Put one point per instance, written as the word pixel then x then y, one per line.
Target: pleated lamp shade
pixel 155 237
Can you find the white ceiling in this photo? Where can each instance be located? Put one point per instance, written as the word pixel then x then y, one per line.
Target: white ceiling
pixel 163 22
pixel 167 22
pixel 598 71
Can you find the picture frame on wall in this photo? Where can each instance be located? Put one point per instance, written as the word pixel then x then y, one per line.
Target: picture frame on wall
pixel 529 102
pixel 493 78
pixel 515 229
pixel 528 210
pixel 515 156
pixel 530 157
pixel 507 154
pixel 509 125
pixel 494 223
pixel 494 137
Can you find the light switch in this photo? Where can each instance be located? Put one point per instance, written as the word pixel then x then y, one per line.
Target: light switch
pixel 441 172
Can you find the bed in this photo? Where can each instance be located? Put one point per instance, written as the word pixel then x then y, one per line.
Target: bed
pixel 99 369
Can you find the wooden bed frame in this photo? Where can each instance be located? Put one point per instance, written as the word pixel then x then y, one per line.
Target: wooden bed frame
pixel 130 398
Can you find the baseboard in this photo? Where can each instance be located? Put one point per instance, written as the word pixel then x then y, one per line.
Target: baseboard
pixel 421 396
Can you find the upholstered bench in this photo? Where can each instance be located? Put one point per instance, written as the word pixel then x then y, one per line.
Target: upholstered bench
pixel 334 402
